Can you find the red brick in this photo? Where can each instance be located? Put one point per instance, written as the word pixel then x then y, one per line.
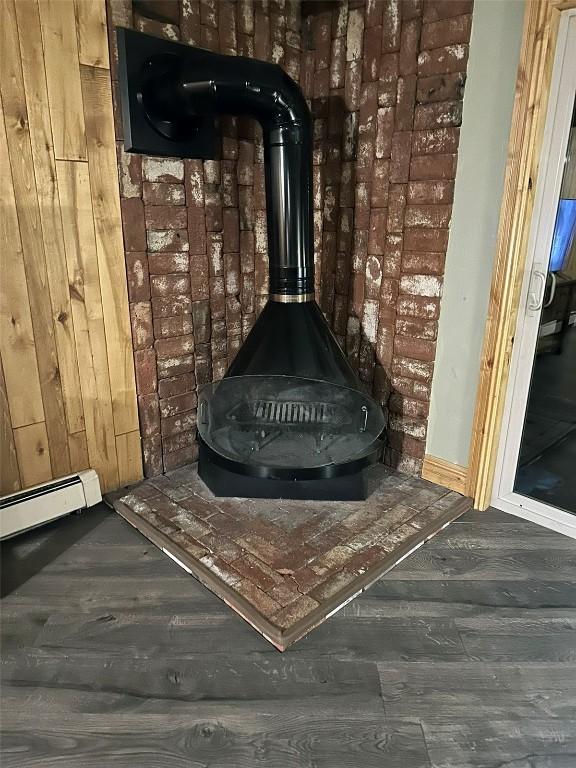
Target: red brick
pixel 338 63
pixel 362 206
pixel 372 48
pixel 133 224
pixel 169 306
pixel 396 206
pixel 423 263
pixel 418 306
pixel 406 444
pixel 175 366
pixel 158 193
pixel 434 141
pixel 442 61
pixel 145 369
pixel 203 365
pixel 245 16
pixel 245 174
pixel 167 327
pixel 190 22
pixel 209 13
pixel 231 231
pixel 384 344
pixel 179 458
pixel 227 28
pixel 385 130
pixel 232 273
pixel 164 169
pixel 229 186
pixel 167 240
pixel 391 25
pixel 137 277
pixel 417 390
pixel 421 370
pixel 352 85
pixel 419 239
pixel 380 184
pixel 436 192
pixel 405 406
pixel 416 328
pixel 400 157
pixel 448 87
pixel 168 285
pixel 418 349
pixel 168 263
pixel 409 41
pixel 130 173
pixel 217 298
pixel 141 322
pixel 430 216
pixel 377 239
pixel 199 280
pixel 233 316
pixel 245 45
pixel 392 255
pixel 149 415
pixel 405 101
pixel 215 253
pixel 176 444
pixel 436 34
pixel 182 422
pixel 201 321
pixel 197 230
pixel 387 85
pixel 432 167
pixel 174 347
pixel 177 385
pixel 439 114
pixel 443 9
pixel 171 406
pixel 261 36
pixel 152 456
pixel 213 211
pixel 321 30
pixel 307 74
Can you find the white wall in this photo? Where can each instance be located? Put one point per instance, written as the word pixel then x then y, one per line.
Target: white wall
pixel 488 101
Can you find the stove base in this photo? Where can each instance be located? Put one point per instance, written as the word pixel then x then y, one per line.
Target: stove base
pixel 224 482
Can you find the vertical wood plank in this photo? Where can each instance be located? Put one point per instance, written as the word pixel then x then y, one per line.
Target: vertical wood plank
pixel 33 454
pixel 9 473
pixel 35 87
pixel 78 445
pixel 16 332
pixel 98 117
pixel 63 78
pixel 92 32
pixel 129 451
pixel 25 193
pixel 83 277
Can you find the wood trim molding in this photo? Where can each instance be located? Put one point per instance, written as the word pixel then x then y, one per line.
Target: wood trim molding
pixel 445 473
pixel 528 118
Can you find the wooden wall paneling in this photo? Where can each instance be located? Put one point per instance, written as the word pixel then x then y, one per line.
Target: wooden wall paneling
pixel 26 196
pixel 99 121
pixel 88 315
pixel 445 473
pixel 63 78
pixel 129 451
pixel 32 449
pixel 16 332
pixel 9 473
pixel 78 445
pixel 29 32
pixel 92 33
pixel 528 119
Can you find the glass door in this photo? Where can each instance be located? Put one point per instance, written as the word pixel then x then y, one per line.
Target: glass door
pixel 546 466
pixel 535 474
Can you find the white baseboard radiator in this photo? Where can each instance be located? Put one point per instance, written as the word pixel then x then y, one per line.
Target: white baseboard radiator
pixel 42 503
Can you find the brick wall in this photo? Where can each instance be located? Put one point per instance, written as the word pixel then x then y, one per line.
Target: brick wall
pixel 385 81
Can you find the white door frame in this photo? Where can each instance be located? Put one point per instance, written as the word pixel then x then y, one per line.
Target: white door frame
pixel 555 140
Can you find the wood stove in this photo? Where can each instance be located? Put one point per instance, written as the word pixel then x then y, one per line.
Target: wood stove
pixel 289 419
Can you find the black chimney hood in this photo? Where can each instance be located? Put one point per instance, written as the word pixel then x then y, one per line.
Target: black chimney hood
pixel 289 419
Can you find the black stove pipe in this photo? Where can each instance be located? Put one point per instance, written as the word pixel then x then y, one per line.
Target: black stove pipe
pixel 237 86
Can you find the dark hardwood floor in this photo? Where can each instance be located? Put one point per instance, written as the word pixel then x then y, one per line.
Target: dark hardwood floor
pixel 464 655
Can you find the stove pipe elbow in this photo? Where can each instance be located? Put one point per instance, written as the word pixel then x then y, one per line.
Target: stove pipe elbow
pixel 237 86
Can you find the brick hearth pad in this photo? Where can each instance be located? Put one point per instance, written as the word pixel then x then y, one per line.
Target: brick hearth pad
pixel 286 566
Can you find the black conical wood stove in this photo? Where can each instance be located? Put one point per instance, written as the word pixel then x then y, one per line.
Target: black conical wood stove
pixel 289 419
